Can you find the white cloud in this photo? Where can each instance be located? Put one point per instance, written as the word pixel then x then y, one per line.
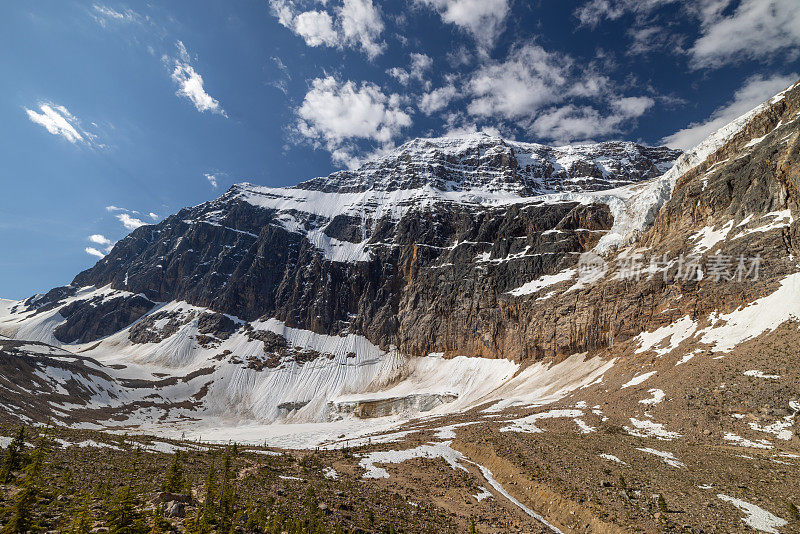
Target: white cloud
pixel 316 28
pixel 115 208
pixel 420 64
pixel 483 19
pixel 753 92
pixel 94 252
pixel 281 82
pixel 632 106
pixel 190 83
pixel 59 121
pixel 105 15
pixel 547 94
pixel 334 112
pixel 153 216
pixel 130 223
pixel 362 25
pixel 578 123
pixel 99 239
pixel 757 29
pixel 437 99
pixel 400 74
pixel 594 12
pixel 529 79
pixel 418 67
pixel 358 24
pixel 212 179
pixel 729 31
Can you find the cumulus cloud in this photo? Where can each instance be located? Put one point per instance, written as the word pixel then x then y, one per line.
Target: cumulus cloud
pixel 483 19
pixel 212 179
pixel 437 99
pixel 129 222
pixel 335 112
pixel 362 25
pixel 355 24
pixel 59 121
pixel 548 94
pixel 316 28
pixel 753 92
pixel 420 63
pixel 757 29
pixel 190 83
pixel 529 79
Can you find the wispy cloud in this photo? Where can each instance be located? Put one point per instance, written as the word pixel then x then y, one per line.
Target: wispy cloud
pixel 101 240
pixel 94 252
pixel 281 82
pixel 117 208
pixel 106 16
pixel 212 179
pixel 728 32
pixel 60 122
pixel 437 99
pixel 190 82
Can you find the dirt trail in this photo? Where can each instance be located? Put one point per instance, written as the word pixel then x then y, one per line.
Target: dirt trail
pixel 562 514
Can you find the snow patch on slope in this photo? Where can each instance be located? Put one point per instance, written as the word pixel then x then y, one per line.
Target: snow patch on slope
pixel 756 517
pixel 677 332
pixel 765 314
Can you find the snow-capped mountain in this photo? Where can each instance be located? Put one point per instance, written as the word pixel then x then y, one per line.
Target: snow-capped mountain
pixel 439 278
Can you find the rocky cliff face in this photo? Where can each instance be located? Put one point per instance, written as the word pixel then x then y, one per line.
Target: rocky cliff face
pixel 417 250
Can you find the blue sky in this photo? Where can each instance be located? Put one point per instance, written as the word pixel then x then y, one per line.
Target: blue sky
pixel 116 114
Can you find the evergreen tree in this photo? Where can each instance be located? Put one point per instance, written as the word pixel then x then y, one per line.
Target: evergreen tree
pixel 123 515
pixel 662 503
pixel 14 458
pixel 206 514
pixel 227 496
pixel 20 513
pixel 158 524
pixel 82 520
pixel 174 482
